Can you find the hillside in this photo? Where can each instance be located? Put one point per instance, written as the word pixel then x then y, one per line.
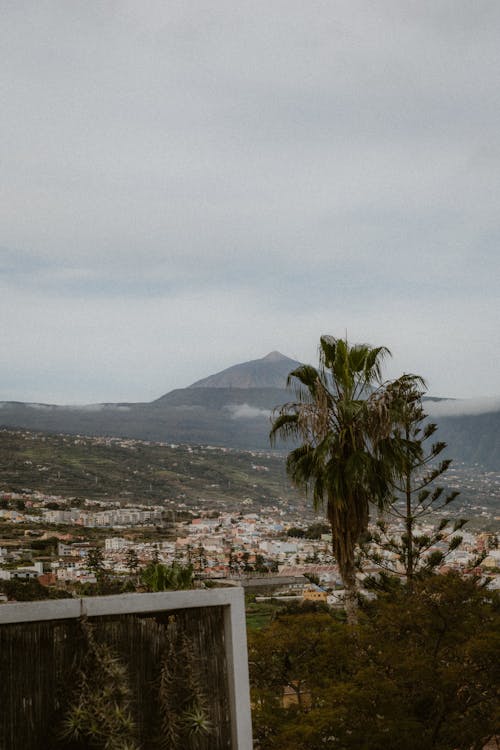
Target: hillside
pixel 184 476
pixel 473 439
pixel 130 470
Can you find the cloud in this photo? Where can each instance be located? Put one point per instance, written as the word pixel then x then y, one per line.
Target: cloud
pixel 189 185
pixel 72 407
pixel 245 411
pixel 458 408
pixel 96 407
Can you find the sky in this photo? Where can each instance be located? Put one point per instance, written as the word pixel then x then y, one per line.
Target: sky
pixel 188 185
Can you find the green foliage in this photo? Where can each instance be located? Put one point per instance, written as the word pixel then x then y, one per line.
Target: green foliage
pixel 45 546
pixel 314 531
pixel 312 578
pixel 296 532
pixel 55 506
pixel 260 614
pixel 99 470
pixel 30 591
pixel 100 714
pixel 184 707
pixel 158 577
pixel 101 709
pixel 95 561
pixel 131 560
pixel 416 497
pixel 418 672
pixel 348 454
pixel 106 586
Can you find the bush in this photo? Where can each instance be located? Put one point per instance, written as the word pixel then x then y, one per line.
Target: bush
pixel 418 672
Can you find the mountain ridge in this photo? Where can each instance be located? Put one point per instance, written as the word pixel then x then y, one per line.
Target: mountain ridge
pixel 231 408
pixel 270 371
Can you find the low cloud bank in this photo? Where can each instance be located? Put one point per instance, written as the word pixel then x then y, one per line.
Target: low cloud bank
pixel 245 411
pixel 462 407
pixel 79 407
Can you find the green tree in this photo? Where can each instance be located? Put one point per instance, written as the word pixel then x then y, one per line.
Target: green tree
pixel 105 583
pixel 315 530
pixel 417 496
pixel 342 418
pixel 245 560
pixel 260 564
pixel 422 673
pixel 95 561
pixel 296 651
pixel 29 591
pixel 132 561
pixel 233 561
pixel 296 532
pixel 201 558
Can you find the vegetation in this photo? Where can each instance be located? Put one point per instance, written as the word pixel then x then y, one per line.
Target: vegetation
pixel 158 577
pixel 102 469
pixel 416 495
pixel 185 715
pixel 260 614
pixel 313 531
pixel 132 561
pixel 100 714
pixel 116 683
pixel 421 673
pixel 343 419
pixel 30 591
pixel 95 562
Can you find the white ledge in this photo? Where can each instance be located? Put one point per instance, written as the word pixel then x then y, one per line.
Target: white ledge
pixel 119 604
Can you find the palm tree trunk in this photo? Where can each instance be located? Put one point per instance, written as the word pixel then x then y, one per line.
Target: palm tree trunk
pixel 351 593
pixel 409 522
pixel 343 550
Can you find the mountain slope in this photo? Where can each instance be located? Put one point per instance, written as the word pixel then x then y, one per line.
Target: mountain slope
pixel 269 372
pixel 231 408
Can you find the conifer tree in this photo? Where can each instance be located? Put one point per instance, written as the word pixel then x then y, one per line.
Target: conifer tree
pixel 95 562
pixel 417 495
pixel 132 561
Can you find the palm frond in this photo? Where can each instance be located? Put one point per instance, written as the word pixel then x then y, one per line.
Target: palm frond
pixel 306 374
pixel 285 425
pixel 373 363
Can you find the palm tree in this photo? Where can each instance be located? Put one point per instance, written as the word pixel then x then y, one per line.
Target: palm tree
pixel 343 417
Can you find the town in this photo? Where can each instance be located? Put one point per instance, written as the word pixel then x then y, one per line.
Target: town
pixel 53 540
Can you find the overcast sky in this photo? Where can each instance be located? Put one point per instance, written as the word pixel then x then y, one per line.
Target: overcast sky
pixel 187 185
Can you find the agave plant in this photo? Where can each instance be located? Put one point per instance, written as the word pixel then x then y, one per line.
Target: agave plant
pixel 186 721
pixel 100 713
pixel 197 724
